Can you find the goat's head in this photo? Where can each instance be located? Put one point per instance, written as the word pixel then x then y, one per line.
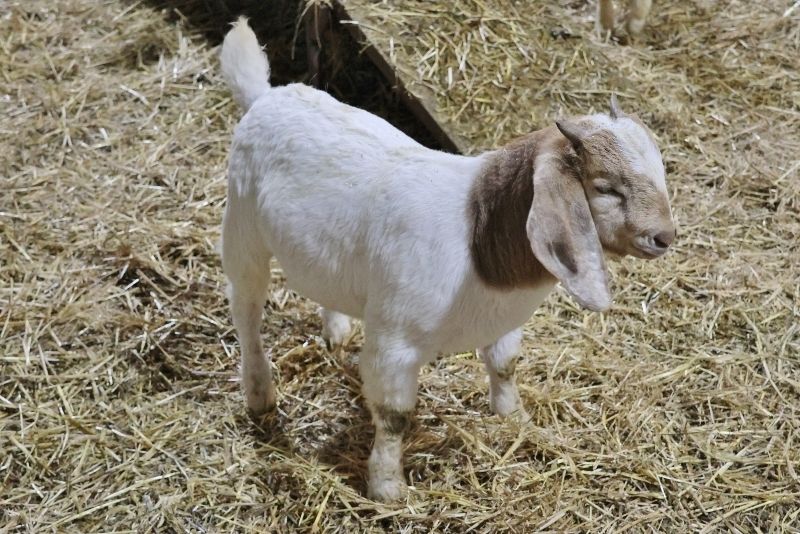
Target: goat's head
pixel 623 177
pixel 609 195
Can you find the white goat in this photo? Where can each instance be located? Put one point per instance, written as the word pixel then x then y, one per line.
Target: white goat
pixel 637 15
pixel 435 252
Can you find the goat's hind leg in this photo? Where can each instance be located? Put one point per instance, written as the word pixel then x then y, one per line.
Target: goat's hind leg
pixel 248 296
pixel 247 302
pixel 246 264
pixel 335 327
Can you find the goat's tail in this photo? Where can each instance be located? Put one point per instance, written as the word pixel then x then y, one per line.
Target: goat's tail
pixel 244 64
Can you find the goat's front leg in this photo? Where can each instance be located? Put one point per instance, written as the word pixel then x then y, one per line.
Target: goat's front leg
pixel 500 359
pixel 389 373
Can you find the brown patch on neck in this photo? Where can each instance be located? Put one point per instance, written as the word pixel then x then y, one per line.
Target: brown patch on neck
pixel 500 202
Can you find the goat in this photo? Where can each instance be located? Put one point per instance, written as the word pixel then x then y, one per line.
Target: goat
pixel 637 15
pixel 436 252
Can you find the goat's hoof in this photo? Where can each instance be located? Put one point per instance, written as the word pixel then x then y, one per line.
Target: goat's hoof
pixel 261 401
pixel 387 490
pixel 519 416
pixel 336 328
pixel 635 27
pixel 335 342
pixel 514 413
pixel 510 408
pixel 504 399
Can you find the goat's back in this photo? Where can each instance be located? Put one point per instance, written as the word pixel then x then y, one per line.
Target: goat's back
pixel 349 205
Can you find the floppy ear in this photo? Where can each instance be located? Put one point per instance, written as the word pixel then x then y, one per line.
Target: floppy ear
pixel 563 237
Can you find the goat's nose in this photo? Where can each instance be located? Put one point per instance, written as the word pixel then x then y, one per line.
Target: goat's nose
pixel 664 239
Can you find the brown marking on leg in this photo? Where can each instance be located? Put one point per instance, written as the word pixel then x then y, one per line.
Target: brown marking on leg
pixel 394 422
pixel 507 372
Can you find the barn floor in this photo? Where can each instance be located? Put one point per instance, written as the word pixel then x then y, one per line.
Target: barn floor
pixel 120 408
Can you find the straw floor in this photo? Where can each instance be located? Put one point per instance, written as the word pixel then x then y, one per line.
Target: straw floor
pixel 120 408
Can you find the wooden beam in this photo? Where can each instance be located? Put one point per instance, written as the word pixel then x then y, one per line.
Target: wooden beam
pixel 422 104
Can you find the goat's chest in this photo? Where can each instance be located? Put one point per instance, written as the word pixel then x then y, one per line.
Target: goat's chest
pixel 483 316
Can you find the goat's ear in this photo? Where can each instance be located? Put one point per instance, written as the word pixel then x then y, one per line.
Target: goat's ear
pixel 573 131
pixel 615 112
pixel 563 236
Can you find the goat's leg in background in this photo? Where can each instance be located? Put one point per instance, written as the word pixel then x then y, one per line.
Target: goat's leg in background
pixel 500 361
pixel 638 10
pixel 637 15
pixel 605 15
pixel 335 327
pixel 389 370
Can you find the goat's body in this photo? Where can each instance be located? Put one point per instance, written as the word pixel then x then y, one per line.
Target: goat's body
pixel 435 252
pixel 365 223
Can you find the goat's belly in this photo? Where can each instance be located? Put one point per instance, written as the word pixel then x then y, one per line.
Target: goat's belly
pixel 315 246
pixel 331 288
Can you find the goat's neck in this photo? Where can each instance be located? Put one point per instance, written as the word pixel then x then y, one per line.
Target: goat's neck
pixel 500 202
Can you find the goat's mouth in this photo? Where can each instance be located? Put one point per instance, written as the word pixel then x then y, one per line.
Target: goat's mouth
pixel 645 248
pixel 615 249
pixel 646 254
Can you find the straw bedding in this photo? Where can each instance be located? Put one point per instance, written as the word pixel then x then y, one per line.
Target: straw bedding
pixel 120 408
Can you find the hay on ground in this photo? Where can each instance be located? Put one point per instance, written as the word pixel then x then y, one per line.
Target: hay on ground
pixel 120 408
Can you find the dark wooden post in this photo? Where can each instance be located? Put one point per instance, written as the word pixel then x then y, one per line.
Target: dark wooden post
pixel 317 26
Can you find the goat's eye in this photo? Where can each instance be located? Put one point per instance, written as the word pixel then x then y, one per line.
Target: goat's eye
pixel 607 189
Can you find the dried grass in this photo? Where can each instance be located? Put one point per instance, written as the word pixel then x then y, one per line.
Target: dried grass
pixel 120 409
